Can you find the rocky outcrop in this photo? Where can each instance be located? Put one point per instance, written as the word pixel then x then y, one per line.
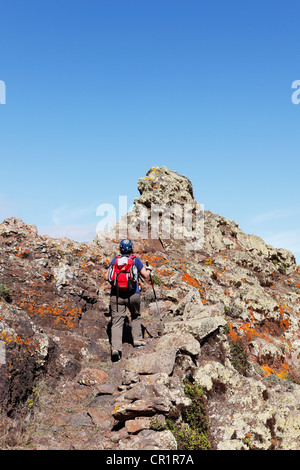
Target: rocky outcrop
pixel 231 325
pixel 163 186
pixel 251 416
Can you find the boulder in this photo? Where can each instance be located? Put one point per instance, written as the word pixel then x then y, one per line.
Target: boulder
pixel 152 363
pixel 182 342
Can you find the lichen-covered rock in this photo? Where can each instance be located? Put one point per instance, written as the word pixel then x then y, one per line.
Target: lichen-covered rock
pixel 150 440
pixel 198 321
pixel 153 363
pixel 182 342
pixel 250 417
pixel 164 186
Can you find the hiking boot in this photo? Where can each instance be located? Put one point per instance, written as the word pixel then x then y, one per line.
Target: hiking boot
pixel 138 344
pixel 115 355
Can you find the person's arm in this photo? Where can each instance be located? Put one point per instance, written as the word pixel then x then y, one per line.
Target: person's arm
pixel 107 272
pixel 145 272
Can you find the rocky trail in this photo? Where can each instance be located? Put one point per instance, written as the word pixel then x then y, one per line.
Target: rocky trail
pixel 224 373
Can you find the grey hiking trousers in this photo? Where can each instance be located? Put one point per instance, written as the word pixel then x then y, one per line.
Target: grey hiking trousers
pixel 133 303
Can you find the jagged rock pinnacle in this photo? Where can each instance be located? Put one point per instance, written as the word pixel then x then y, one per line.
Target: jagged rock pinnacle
pixel 164 186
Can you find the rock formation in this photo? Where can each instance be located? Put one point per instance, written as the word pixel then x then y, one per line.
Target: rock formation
pixel 231 327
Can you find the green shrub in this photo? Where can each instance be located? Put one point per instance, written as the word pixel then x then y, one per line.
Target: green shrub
pixel 156 280
pixel 282 270
pixel 191 439
pixel 238 357
pixel 5 293
pixel 193 433
pixel 157 425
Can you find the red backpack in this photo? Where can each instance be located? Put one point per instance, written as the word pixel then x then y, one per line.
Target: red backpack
pixel 123 273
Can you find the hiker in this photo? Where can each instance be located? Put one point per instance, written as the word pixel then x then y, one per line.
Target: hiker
pixel 123 273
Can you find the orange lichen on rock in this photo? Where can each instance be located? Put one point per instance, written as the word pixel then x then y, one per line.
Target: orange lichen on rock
pixel 155 260
pixel 284 323
pixel 21 252
pixel 190 280
pixel 64 315
pixel 7 337
pixel 232 332
pixel 270 371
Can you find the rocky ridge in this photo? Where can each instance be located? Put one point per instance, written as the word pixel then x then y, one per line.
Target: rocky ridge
pixel 231 325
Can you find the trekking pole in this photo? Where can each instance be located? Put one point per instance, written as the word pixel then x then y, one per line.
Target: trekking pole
pixel 143 326
pixel 161 322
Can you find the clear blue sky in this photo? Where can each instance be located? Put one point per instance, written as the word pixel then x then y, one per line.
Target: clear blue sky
pixel 99 91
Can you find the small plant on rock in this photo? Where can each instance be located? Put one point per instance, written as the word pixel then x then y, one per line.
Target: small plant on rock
pixel 238 357
pixel 5 293
pixel 192 434
pixel 156 279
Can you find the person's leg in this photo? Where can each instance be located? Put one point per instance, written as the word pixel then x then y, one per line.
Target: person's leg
pixel 118 317
pixel 134 303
